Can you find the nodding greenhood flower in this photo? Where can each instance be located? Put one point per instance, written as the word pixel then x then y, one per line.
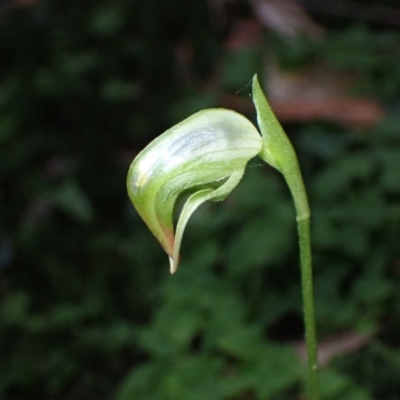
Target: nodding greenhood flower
pixel 203 157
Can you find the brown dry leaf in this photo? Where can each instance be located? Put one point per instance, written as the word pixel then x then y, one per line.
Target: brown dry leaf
pixel 286 17
pixel 318 92
pixel 346 343
pixel 353 113
pixel 357 113
pixel 314 82
pixel 315 92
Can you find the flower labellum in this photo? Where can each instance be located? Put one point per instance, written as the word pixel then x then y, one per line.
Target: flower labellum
pixel 203 157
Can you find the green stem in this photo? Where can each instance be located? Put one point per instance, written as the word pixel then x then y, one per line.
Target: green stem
pixel 295 182
pixel 303 226
pixel 279 153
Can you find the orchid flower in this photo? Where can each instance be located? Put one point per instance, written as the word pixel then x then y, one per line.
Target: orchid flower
pixel 204 157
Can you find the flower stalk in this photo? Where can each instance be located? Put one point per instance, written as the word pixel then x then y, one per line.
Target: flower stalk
pixel 278 152
pixel 203 158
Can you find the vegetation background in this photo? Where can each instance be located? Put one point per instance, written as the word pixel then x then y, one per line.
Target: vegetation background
pixel 88 309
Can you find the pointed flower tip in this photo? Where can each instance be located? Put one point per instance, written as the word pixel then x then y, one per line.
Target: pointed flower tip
pixel 173 266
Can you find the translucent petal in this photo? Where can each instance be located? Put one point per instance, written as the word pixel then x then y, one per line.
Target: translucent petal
pixel 201 151
pixel 193 202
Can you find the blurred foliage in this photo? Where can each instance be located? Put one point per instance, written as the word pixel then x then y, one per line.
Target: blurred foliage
pixel 88 310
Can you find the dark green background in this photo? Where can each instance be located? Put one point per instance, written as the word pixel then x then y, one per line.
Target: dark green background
pixel 87 307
